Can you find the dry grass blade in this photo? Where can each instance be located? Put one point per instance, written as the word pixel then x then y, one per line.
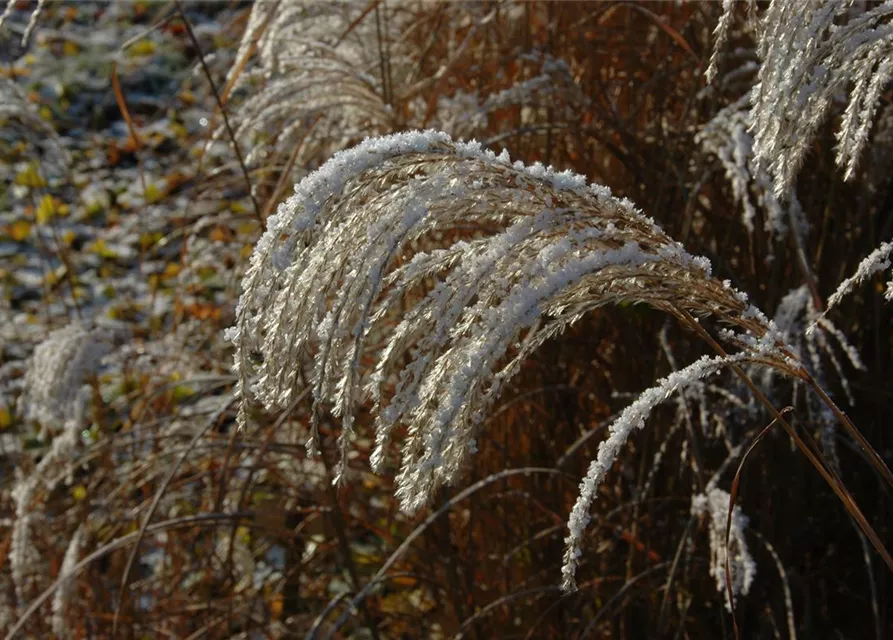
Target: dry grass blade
pixel 131 127
pixel 222 109
pixel 120 543
pixel 677 37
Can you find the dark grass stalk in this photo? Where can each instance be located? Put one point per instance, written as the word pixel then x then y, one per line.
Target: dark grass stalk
pixel 344 543
pixel 246 487
pixel 788 598
pixel 867 450
pixel 119 543
pixel 382 58
pixel 240 64
pixel 537 592
pixel 45 253
pixel 236 149
pixel 443 539
pixel 629 584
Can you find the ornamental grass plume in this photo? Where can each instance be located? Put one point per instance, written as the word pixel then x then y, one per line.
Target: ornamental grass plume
pixel 418 273
pixel 810 53
pixel 58 397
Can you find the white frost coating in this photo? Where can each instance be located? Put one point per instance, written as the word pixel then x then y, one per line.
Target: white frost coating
pixel 715 504
pixel 727 136
pixel 59 367
pixel 877 260
pixel 633 417
pixel 23 558
pixel 388 222
pixel 795 313
pixel 721 36
pixel 811 52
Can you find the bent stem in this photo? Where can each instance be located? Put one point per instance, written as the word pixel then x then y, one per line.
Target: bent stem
pixel 814 457
pixel 733 495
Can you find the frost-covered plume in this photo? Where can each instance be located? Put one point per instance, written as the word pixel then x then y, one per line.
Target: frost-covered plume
pixel 727 136
pixel 795 316
pixel 32 21
pixel 554 80
pixel 489 259
pixel 55 395
pixel 715 505
pixel 314 74
pixel 811 52
pixel 721 36
pixel 553 90
pixel 876 261
pixel 59 367
pixel 23 558
pixel 63 594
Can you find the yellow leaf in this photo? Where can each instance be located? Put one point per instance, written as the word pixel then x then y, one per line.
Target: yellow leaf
pixel 5 418
pixel 19 230
pixel 30 177
pixel 142 48
pixel 276 606
pixel 179 131
pixel 69 48
pixel 102 250
pixel 171 269
pixel 46 210
pixel 247 228
pixel 182 392
pixel 153 193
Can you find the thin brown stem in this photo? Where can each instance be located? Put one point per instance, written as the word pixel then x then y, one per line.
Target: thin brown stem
pixel 217 98
pixel 344 543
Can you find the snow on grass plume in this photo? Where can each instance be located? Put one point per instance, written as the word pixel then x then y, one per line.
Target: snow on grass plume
pixel 490 258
